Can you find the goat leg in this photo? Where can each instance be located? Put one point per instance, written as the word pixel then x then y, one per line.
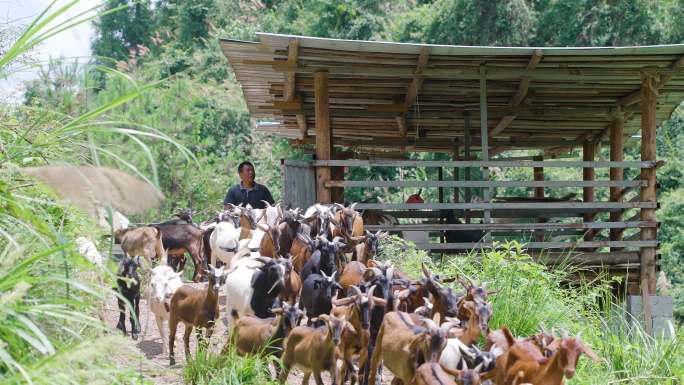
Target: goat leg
pixel 186 341
pixel 173 325
pixel 121 325
pixel 376 357
pixel 135 317
pixel 319 380
pixel 160 327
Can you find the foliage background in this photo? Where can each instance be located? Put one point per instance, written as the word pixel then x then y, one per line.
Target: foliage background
pixel 199 105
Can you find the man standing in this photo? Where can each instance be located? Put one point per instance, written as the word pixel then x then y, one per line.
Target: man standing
pixel 248 191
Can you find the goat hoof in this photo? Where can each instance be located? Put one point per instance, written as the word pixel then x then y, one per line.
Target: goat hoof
pixel 134 336
pixel 172 361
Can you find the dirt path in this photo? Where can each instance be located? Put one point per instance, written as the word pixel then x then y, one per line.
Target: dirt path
pixel 156 367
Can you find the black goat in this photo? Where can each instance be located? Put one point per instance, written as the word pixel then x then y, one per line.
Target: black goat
pixel 128 286
pixel 317 293
pixel 325 258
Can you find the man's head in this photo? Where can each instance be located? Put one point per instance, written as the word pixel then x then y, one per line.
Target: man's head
pixel 246 172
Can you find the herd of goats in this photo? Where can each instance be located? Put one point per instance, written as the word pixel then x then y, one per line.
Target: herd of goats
pixel 280 266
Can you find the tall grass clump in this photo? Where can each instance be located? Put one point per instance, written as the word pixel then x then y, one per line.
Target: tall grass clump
pixel 531 295
pixel 51 297
pixel 228 368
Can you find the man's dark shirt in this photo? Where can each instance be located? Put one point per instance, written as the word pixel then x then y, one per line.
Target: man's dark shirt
pixel 238 195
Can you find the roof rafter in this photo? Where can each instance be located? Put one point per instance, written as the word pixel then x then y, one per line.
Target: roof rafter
pixel 290 86
pixel 635 96
pixel 414 87
pixel 520 95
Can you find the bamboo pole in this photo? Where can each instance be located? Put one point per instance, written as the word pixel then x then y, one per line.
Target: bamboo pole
pixel 323 135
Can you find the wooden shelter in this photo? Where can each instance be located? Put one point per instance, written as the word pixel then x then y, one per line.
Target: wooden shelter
pixel 380 100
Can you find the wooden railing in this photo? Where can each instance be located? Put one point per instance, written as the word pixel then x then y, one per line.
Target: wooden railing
pixel 542 210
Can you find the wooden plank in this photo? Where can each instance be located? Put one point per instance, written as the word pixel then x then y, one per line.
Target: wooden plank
pixel 323 136
pixel 539 184
pixel 510 226
pixel 540 245
pixel 479 163
pixel 584 258
pixel 401 123
pixel 494 206
pixel 468 142
pixel 648 193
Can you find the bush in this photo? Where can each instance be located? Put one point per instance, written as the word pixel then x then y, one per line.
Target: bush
pixel 207 368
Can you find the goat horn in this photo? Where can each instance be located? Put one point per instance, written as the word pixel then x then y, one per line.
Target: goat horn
pixel 333 276
pixel 426 272
pixel 267 204
pixel 274 285
pixel 324 275
pixel 478 367
pixel 357 290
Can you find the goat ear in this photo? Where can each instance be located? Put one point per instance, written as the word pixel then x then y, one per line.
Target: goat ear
pixel 587 350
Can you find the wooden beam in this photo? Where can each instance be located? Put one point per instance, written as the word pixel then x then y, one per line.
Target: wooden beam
pixel 414 88
pixel 520 94
pixel 635 96
pixel 541 206
pixel 511 226
pixel 538 184
pixel 323 135
pixel 617 141
pixel 648 193
pixel 290 76
pixel 492 163
pixel 538 173
pixel 466 172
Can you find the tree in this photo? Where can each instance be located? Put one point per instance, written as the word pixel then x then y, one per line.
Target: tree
pixel 122 34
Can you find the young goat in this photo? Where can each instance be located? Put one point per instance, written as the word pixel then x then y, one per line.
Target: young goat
pixel 128 286
pixel 163 285
pixel 252 335
pixel 403 345
pixel 431 373
pixel 356 309
pixel 313 350
pixel 195 308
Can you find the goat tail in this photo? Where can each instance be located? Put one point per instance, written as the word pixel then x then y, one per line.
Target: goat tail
pixel 234 314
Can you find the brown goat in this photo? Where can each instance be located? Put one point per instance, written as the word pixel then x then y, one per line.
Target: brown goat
pixel 195 308
pixel 252 335
pixel 477 324
pixel 522 357
pixel 293 283
pixel 403 345
pixel 357 310
pixel 562 364
pixel 352 275
pixel 302 247
pixel 142 241
pixel 314 350
pixel 270 243
pixel 432 373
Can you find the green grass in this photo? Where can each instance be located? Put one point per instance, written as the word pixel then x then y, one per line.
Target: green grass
pixel 207 368
pixel 531 295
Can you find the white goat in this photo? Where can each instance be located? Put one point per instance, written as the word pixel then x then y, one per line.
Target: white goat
pixel 87 248
pixel 163 284
pixel 225 243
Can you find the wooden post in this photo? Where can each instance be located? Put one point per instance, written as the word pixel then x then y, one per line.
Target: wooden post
pixel 337 173
pixel 539 194
pixel 484 134
pixel 616 154
pixel 456 171
pixel 323 135
pixel 588 153
pixel 440 198
pixel 647 277
pixel 466 171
